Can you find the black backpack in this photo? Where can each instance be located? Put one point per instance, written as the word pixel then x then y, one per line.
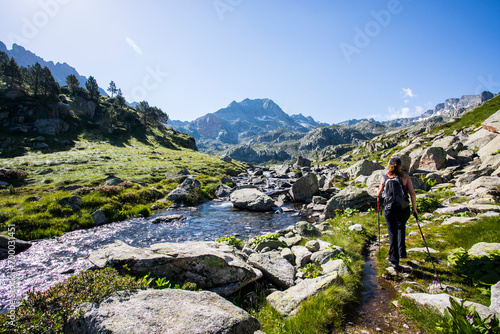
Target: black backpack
pixel 394 195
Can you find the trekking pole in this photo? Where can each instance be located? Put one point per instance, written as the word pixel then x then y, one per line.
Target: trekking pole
pixel 378 219
pixel 425 243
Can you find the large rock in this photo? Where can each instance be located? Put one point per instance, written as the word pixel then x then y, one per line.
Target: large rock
pixel 287 302
pixel 350 197
pixel 490 149
pixel 305 188
pixel 275 267
pixel 306 229
pixel 492 123
pixel 433 158
pixel 210 265
pixel 363 167
pixel 185 190
pixel 451 144
pixel 16 245
pixel 373 182
pixel 51 126
pixel 482 187
pixel 223 191
pixel 302 256
pixel 162 311
pixel 440 302
pixel 483 248
pixel 479 139
pixel 337 266
pixel 495 298
pixel 251 199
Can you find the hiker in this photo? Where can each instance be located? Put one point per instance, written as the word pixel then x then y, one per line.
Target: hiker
pixel 395 187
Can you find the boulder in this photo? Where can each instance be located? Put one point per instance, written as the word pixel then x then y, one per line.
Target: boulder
pixel 492 123
pixel 335 266
pixel 99 217
pixel 167 219
pixel 251 199
pixel 303 162
pixel 483 186
pixel 433 158
pixel 211 265
pixel 184 190
pixel 495 298
pixel 302 256
pixel 222 191
pixel 51 126
pixel 287 302
pixel 305 188
pixel 441 302
pixel 363 167
pixel 415 157
pixel 489 149
pixel 313 245
pixel 75 202
pixel 483 248
pixel 161 311
pixel 349 197
pixel 479 139
pixel 306 229
pixel 322 257
pixel 16 244
pixel 274 267
pixel 451 144
pixel 113 181
pixel 373 182
pixel 452 209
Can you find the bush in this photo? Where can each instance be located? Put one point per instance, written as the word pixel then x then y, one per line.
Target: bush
pixel 47 312
pixel 478 269
pixel 427 204
pixel 460 319
pixel 231 241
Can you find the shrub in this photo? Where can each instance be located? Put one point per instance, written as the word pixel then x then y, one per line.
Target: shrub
pixel 231 241
pixel 262 238
pixel 427 204
pixel 428 183
pixel 46 312
pixel 478 269
pixel 460 319
pixel 312 270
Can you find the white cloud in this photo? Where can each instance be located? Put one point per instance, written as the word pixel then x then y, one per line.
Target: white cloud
pixel 404 112
pixel 134 46
pixel 419 110
pixel 407 92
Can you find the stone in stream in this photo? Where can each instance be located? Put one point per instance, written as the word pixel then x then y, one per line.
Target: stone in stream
pixel 251 199
pixel 166 311
pixel 167 219
pixel 212 266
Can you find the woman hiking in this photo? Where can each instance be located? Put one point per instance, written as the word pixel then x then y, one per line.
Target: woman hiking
pixel 395 187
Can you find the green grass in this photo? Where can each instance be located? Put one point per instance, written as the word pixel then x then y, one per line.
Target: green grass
pixel 34 206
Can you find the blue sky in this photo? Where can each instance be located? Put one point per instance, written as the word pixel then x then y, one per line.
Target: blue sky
pixel 333 60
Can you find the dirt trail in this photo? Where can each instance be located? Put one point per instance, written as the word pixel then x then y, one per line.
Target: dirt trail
pixel 376 313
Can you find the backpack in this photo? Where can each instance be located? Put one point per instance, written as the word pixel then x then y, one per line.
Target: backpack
pixel 394 195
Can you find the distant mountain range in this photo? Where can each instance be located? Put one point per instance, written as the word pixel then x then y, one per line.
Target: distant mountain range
pixel 59 71
pixel 241 121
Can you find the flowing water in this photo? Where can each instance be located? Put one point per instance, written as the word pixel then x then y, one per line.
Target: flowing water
pixel 53 260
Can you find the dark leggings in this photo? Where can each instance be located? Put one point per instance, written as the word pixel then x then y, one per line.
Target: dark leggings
pixel 396 223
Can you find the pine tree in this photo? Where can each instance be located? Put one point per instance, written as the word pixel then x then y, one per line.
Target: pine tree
pixel 112 88
pixel 10 70
pixel 73 83
pixel 120 100
pixel 143 110
pixel 35 77
pixel 93 89
pixel 49 87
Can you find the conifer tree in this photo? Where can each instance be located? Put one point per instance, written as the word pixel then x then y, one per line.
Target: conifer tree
pixel 112 88
pixel 73 83
pixel 93 89
pixel 35 77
